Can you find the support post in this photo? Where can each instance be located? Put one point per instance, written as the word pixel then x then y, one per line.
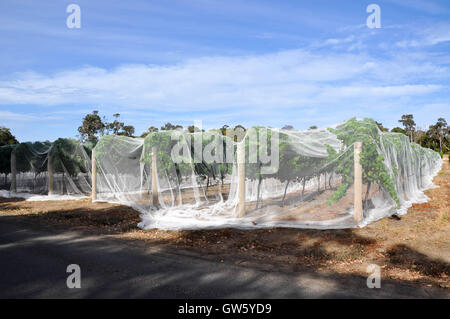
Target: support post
pixel 50 173
pixel 358 211
pixel 93 177
pixel 155 198
pixel 13 172
pixel 241 178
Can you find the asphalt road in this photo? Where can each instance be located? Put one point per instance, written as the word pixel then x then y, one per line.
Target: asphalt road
pixel 33 264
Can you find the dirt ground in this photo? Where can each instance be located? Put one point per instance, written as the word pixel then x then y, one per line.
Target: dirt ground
pixel 415 248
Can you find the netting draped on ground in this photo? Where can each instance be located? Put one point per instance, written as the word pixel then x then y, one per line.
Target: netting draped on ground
pixel 272 177
pixel 46 170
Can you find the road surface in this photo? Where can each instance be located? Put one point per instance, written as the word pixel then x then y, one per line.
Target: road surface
pixel 33 263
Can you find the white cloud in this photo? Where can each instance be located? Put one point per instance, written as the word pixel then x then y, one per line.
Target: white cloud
pixel 380 92
pixel 284 79
pixel 20 117
pixel 439 33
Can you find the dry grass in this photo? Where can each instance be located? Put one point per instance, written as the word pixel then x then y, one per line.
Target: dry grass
pixel 415 248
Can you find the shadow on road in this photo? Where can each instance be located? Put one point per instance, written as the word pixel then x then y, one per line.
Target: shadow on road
pixel 34 261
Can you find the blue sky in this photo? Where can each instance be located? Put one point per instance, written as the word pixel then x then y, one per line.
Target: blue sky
pixel 222 62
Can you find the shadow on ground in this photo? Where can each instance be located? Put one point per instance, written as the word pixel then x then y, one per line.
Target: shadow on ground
pixel 34 261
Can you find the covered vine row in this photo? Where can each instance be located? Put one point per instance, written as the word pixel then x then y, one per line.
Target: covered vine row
pixel 290 178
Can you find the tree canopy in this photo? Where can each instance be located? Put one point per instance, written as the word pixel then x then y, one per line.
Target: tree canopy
pixel 93 126
pixel 6 137
pixel 409 124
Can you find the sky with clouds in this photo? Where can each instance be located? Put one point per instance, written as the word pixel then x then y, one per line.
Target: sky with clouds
pixel 229 62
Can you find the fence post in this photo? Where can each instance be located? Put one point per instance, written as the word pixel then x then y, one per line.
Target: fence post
pixel 93 176
pixel 358 212
pixel 13 171
pixel 241 178
pixel 50 173
pixel 155 198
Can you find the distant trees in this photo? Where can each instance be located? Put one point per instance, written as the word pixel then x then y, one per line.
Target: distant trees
pixel 115 126
pixel 398 130
pixel 409 125
pixel 127 130
pixel 169 127
pixel 93 126
pixel 193 129
pixel 437 137
pixel 381 127
pixel 150 130
pixel 236 134
pixel 441 129
pixel 6 137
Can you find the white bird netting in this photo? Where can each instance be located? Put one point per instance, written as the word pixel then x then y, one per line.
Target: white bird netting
pixel 271 178
pixel 46 171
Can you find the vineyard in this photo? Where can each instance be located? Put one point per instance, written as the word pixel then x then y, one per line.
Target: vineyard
pixel 341 177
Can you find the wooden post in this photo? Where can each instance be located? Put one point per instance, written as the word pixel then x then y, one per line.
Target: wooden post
pixel 93 177
pixel 50 174
pixel 241 178
pixel 155 198
pixel 358 212
pixel 13 172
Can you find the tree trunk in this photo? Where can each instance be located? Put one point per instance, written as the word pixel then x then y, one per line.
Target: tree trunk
pixel 63 183
pixel 34 182
pixel 285 190
pixel 329 180
pixel 303 190
pixel 259 190
pixel 318 184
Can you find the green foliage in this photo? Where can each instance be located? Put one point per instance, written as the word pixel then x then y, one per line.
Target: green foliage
pixel 151 129
pixel 114 150
pixel 67 157
pixel 398 130
pixel 437 137
pixel 220 166
pixel 31 156
pixel 381 127
pixel 5 158
pixel 372 161
pixel 170 127
pixel 181 165
pixel 6 137
pixel 409 124
pixel 92 125
pixel 127 130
